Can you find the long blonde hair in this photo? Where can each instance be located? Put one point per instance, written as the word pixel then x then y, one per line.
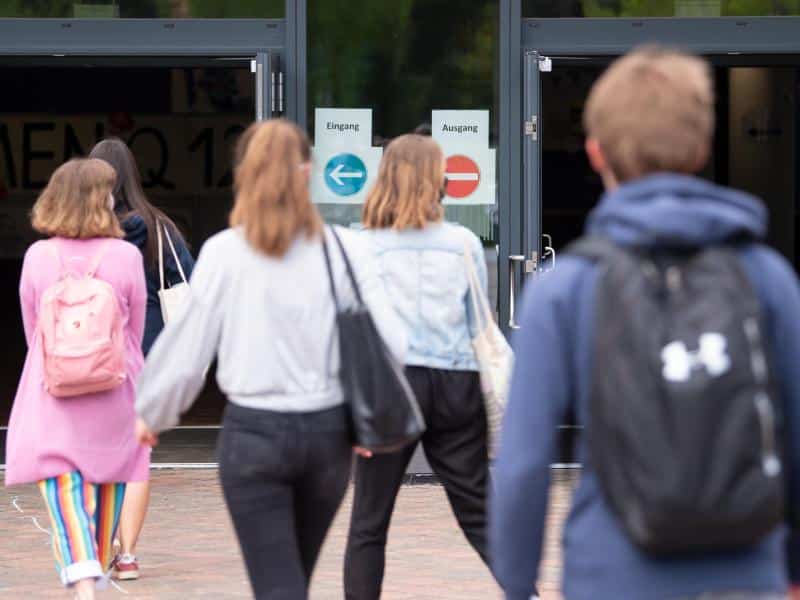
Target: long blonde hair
pixel 408 191
pixel 77 202
pixel 273 204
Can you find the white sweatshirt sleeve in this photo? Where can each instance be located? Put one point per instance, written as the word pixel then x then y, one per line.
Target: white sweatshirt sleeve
pixel 174 373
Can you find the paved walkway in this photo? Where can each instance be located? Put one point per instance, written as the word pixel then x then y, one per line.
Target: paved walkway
pixel 188 549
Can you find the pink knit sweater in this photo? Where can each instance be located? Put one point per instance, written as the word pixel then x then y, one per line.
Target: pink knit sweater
pixel 93 434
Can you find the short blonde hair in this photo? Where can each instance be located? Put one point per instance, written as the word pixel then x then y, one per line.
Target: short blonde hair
pixel 273 204
pixel 653 111
pixel 77 202
pixel 407 193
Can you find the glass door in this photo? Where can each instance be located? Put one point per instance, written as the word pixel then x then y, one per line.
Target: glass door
pixel 756 66
pixel 753 59
pixel 179 100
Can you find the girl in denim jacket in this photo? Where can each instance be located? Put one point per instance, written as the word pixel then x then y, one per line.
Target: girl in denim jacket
pixel 421 261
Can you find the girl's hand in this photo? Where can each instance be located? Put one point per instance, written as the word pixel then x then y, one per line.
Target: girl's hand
pixel 144 435
pixel 794 592
pixel 362 452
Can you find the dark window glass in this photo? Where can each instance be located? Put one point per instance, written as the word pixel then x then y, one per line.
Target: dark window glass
pixel 659 8
pixel 147 9
pixel 754 147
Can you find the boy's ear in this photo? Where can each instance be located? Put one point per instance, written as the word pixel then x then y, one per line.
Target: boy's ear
pixel 596 157
pixel 600 164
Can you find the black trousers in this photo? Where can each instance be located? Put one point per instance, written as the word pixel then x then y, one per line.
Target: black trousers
pixel 283 476
pixel 455 445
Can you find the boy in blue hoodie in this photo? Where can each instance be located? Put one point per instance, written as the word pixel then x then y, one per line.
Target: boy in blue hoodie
pixel 649 122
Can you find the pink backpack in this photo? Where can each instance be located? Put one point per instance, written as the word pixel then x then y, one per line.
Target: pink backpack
pixel 81 332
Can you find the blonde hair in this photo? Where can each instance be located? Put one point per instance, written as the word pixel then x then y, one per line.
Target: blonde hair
pixel 77 202
pixel 651 111
pixel 273 204
pixel 407 193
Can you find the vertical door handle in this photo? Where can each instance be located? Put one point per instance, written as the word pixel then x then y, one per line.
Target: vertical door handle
pixel 513 260
pixel 549 252
pixel 259 91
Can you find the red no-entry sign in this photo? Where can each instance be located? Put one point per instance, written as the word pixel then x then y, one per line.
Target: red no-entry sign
pixel 463 176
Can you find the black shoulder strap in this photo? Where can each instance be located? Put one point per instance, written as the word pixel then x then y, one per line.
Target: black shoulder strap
pixel 348 267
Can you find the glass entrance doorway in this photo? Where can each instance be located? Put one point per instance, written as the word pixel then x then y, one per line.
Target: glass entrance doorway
pixel 178 95
pixel 754 148
pixel 755 62
pixel 756 65
pixel 180 121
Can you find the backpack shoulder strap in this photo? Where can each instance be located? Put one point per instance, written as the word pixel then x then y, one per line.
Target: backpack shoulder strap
pixel 595 248
pixel 97 259
pixel 52 248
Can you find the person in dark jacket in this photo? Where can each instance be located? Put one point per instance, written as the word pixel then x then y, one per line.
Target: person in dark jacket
pixel 140 221
pixel 650 122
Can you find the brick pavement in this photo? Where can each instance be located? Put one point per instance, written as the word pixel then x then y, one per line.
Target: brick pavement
pixel 189 551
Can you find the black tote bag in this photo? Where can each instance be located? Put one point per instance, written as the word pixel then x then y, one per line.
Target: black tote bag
pixel 384 412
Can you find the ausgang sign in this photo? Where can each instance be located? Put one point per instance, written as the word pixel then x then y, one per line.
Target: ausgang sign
pixel 464 138
pixel 344 161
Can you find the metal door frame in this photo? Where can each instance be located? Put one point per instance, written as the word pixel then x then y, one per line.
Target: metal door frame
pixel 525 43
pixel 277 47
pixel 71 42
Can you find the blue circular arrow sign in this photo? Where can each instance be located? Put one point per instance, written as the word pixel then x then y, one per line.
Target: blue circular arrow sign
pixel 345 174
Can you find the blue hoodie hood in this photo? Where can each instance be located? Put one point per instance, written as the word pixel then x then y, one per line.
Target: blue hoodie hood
pixel 677 210
pixel 135 231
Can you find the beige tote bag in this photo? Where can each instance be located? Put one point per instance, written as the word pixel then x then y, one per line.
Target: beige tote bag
pixel 174 297
pixel 493 353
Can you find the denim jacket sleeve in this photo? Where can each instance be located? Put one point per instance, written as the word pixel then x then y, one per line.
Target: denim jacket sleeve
pixel 373 291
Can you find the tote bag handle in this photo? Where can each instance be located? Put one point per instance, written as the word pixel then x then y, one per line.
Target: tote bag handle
pixel 159 225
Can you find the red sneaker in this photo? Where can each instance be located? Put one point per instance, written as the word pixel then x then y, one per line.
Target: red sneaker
pixel 126 568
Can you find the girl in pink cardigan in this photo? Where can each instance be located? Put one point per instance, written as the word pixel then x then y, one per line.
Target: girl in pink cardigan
pixel 80 450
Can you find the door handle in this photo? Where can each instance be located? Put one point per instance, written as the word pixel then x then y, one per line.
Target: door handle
pixel 549 252
pixel 512 261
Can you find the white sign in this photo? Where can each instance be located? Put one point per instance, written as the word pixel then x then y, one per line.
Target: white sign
pixel 464 138
pixel 345 163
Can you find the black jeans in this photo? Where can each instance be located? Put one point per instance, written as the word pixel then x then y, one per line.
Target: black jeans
pixel 455 445
pixel 283 476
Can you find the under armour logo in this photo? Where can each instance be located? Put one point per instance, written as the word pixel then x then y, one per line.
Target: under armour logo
pixel 712 355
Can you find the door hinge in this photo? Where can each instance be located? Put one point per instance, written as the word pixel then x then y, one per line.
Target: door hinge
pixel 532 264
pixel 532 128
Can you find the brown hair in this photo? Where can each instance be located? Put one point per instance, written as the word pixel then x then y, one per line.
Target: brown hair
pixel 129 197
pixel 273 204
pixel 651 111
pixel 408 191
pixel 76 202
